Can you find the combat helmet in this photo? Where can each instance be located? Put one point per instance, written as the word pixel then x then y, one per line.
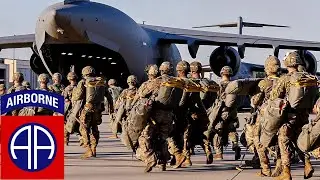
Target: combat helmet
pixel 132 79
pixel 226 70
pixel 272 64
pixel 2 87
pixel 112 82
pixel 183 66
pixel 18 77
pixel 292 59
pixel 153 70
pixel 57 76
pixel 72 76
pixel 88 70
pixel 196 66
pixel 166 68
pixel 44 78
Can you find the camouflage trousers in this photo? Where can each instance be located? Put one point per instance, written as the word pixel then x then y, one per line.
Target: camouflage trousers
pixel 223 132
pixel 90 119
pixel 288 135
pixel 195 134
pixel 153 144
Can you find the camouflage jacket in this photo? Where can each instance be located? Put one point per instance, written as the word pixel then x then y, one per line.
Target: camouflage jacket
pixel 16 88
pixel 148 89
pixel 67 93
pixel 126 97
pixel 281 89
pixel 264 89
pixel 57 88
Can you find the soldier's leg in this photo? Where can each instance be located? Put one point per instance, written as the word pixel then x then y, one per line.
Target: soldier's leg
pixel 66 136
pixel 217 141
pixel 187 145
pixel 275 151
pixel 285 150
pixel 261 151
pixel 145 148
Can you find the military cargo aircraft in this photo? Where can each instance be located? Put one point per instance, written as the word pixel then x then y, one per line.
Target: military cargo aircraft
pixel 76 33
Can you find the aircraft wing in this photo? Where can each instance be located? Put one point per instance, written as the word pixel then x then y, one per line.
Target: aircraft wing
pixel 18 41
pixel 185 36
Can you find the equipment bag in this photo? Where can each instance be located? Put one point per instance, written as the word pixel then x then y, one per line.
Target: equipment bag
pixel 309 138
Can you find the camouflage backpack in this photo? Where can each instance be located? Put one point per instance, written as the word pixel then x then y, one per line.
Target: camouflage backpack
pixel 95 90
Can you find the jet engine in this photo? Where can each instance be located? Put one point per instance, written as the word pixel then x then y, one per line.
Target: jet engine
pixel 310 61
pixel 224 56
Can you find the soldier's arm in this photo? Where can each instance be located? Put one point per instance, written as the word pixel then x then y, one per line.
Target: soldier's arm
pixel 257 99
pixel 280 88
pixel 78 92
pixel 184 98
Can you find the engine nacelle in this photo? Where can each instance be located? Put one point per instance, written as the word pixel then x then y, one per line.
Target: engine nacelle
pixel 310 61
pixel 224 56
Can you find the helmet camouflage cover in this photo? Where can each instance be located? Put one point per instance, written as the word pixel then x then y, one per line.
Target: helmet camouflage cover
pixel 112 82
pixel 2 87
pixel 292 59
pixel 153 69
pixel 183 66
pixel 88 70
pixel 72 75
pixel 196 66
pixel 18 77
pixel 272 64
pixel 132 78
pixel 226 70
pixel 43 78
pixel 166 67
pixel 57 76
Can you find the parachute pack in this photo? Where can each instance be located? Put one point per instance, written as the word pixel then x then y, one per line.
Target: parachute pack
pixel 95 90
pixel 303 90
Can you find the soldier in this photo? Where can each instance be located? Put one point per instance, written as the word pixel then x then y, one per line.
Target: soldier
pixel 161 120
pixel 197 120
pixel 17 86
pixel 2 89
pixel 43 80
pixel 27 85
pixel 67 93
pixel 298 113
pixel 123 104
pixel 114 90
pixel 57 87
pixel 227 127
pixel 258 102
pixel 91 89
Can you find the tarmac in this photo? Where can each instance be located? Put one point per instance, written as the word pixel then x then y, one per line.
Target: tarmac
pixel 115 161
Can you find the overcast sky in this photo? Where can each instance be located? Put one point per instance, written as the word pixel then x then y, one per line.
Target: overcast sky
pixel 19 17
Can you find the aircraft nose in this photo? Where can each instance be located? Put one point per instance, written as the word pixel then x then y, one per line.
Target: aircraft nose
pixel 57 24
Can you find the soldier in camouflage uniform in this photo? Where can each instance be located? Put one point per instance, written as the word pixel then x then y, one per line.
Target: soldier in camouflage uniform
pixel 57 87
pixel 258 102
pixel 2 89
pixel 227 126
pixel 197 120
pixel 67 94
pixel 123 103
pixel 92 90
pixel 27 85
pixel 114 90
pixel 17 86
pixel 43 80
pixel 161 120
pixel 290 130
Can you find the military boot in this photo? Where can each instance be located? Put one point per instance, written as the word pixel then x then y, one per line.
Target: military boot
pixel 278 169
pixel 162 167
pixel 187 162
pixel 308 169
pixel 180 158
pixel 173 161
pixel 265 171
pixel 149 167
pixel 218 157
pixel 285 175
pixel 209 158
pixel 94 151
pixel 87 154
pixel 255 162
